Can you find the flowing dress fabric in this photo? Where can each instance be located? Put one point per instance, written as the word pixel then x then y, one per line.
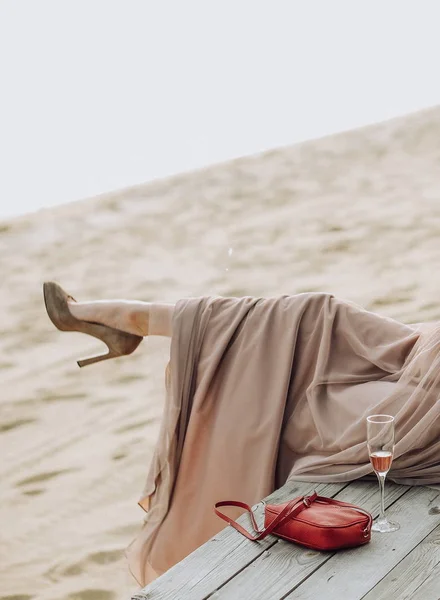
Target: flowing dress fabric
pixel 259 391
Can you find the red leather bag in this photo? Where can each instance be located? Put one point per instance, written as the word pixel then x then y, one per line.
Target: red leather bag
pixel 313 521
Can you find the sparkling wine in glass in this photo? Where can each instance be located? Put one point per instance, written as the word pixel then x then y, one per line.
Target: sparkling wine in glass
pixel 380 439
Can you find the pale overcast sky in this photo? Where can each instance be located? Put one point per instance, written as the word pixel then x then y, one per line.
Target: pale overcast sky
pixel 100 94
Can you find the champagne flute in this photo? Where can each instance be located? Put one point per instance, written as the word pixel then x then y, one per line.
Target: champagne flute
pixel 380 436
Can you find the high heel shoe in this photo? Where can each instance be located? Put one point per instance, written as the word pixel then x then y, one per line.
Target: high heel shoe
pixel 119 343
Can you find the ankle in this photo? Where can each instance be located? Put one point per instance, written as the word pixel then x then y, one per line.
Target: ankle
pixel 138 319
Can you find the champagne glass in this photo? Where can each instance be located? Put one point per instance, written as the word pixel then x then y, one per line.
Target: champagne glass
pixel 380 436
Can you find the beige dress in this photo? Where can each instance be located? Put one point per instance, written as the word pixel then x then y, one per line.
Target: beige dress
pixel 259 391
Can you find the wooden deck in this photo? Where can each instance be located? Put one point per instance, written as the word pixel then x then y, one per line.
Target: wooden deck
pixel 394 566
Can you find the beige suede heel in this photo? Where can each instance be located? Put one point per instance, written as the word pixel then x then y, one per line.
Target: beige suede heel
pixel 119 343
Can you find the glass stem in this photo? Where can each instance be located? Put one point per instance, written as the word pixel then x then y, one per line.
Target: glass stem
pixel 382 496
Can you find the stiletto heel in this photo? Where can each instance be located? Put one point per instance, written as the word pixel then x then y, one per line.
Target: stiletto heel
pixel 94 359
pixel 119 343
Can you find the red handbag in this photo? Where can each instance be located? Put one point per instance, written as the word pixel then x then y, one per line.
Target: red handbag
pixel 313 521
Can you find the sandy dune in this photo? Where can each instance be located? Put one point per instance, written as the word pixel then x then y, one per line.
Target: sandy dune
pixel 357 214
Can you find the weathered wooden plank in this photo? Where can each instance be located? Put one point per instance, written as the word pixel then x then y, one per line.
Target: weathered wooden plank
pixel 222 557
pixel 430 588
pixel 413 574
pixel 358 570
pixel 284 566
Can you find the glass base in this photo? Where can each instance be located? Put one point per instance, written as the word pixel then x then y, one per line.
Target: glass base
pixel 384 526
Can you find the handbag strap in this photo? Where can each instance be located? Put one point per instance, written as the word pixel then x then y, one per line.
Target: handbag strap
pixel 291 509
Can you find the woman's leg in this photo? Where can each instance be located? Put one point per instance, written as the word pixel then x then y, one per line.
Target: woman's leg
pixel 132 316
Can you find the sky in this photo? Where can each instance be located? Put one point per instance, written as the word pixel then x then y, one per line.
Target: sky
pixel 96 95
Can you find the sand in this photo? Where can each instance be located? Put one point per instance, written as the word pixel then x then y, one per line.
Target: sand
pixel 356 214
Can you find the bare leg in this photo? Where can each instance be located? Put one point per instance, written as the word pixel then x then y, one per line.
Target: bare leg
pixel 132 316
